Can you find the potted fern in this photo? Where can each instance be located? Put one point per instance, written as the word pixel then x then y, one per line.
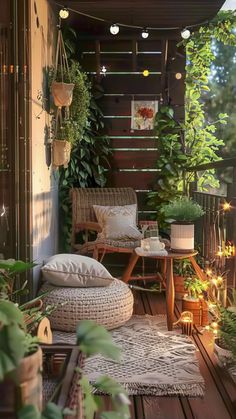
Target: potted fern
pixel 182 212
pixel 194 300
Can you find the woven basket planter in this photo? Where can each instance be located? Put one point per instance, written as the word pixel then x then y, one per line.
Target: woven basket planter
pixel 62 93
pixel 199 308
pixel 28 389
pixel 61 150
pixel 109 306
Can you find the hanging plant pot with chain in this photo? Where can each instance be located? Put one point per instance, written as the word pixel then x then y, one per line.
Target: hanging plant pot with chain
pixel 62 91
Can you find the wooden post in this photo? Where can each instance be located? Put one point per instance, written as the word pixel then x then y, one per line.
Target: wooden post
pixel 134 55
pixel 98 60
pixel 164 57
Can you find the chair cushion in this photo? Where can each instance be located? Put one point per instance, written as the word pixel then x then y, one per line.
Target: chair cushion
pixel 110 306
pixel 118 222
pixel 69 270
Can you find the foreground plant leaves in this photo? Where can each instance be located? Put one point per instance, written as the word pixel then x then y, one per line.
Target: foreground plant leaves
pixel 93 339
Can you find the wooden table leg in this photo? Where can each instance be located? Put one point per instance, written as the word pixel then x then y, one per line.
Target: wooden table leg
pixel 170 294
pixel 128 271
pixel 197 269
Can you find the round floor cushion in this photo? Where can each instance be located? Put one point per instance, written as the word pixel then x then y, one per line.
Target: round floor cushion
pixel 109 306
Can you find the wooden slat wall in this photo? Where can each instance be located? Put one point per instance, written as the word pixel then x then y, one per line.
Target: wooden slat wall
pixel 134 152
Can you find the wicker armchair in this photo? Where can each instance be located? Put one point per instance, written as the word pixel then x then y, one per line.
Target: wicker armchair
pixel 84 219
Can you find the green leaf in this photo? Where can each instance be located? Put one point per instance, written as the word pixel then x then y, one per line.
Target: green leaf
pixel 10 314
pixel 29 412
pixel 89 404
pixel 93 338
pixel 52 411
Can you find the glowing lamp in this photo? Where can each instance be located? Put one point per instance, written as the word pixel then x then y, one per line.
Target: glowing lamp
pixel 178 76
pixel 114 29
pixel 185 33
pixel 226 206
pixel 64 13
pixel 145 73
pixel 145 33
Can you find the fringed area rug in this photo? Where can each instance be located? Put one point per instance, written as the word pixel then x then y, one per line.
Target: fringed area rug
pixel 154 361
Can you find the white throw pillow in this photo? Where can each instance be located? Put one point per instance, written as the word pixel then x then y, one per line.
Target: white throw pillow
pixel 70 270
pixel 118 222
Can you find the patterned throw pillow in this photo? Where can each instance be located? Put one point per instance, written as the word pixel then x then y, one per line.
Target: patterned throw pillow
pixel 118 222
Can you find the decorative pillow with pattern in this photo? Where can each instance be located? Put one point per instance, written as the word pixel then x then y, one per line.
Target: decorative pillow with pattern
pixel 118 222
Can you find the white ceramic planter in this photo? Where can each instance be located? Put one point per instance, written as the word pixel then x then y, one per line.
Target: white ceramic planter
pixel 182 237
pixel 61 150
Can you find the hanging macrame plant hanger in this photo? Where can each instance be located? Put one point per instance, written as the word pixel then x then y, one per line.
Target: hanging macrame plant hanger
pixel 62 92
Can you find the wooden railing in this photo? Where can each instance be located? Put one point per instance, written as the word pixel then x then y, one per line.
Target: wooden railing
pixel 217 228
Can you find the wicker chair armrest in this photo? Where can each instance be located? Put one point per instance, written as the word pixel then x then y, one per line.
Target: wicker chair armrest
pixel 89 225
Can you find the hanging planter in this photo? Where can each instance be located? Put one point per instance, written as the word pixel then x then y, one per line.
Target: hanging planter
pixel 61 150
pixel 62 91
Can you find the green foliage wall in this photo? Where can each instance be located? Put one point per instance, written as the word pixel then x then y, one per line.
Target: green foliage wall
pixel 87 166
pixel 193 142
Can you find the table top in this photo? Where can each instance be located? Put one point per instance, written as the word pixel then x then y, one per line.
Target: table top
pixel 170 255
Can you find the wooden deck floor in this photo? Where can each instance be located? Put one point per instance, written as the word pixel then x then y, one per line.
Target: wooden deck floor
pixel 219 401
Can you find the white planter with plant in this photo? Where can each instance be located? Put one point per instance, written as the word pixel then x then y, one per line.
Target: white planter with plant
pixel 182 213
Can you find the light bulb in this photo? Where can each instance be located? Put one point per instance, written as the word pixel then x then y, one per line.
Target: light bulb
pixel 64 13
pixel 145 33
pixel 185 33
pixel 103 70
pixel 226 206
pixel 114 29
pixel 215 325
pixel 178 76
pixel 145 73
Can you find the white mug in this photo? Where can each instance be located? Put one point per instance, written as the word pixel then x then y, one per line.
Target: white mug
pixel 155 244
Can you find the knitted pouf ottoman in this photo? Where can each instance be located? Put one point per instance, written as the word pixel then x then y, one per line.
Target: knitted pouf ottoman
pixel 109 306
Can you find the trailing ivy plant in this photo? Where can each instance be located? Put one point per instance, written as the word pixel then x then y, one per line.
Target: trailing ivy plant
pixel 193 142
pixel 87 166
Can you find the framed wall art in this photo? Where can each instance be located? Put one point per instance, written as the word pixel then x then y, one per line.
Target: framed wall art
pixel 143 113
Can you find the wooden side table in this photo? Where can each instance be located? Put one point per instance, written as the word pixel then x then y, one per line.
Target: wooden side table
pixel 168 270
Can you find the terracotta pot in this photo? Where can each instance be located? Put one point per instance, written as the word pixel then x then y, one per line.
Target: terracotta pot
pixel 224 355
pixel 26 387
pixel 180 291
pixel 61 150
pixel 199 308
pixel 62 93
pixel 182 237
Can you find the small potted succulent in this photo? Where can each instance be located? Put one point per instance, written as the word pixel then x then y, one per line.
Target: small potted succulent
pixel 182 212
pixel 194 300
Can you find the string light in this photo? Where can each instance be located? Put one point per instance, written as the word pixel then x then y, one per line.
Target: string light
pixel 185 33
pixel 103 70
pixel 64 13
pixel 214 325
pixel 227 206
pixel 145 73
pixel 145 33
pixel 114 29
pixel 178 76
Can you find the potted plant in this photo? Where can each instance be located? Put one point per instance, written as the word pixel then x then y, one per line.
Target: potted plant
pixel 67 129
pixel 182 269
pixel 181 213
pixel 194 301
pixel 20 361
pixel 62 91
pixel 224 329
